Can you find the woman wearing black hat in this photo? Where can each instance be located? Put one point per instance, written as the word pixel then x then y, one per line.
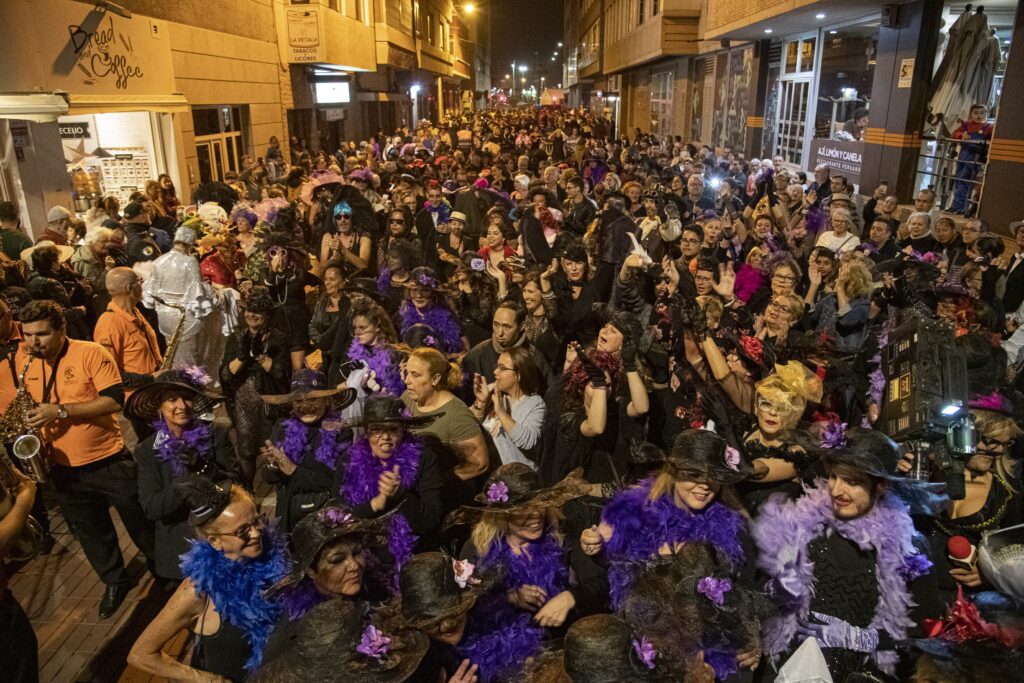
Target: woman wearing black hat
pixel 234 560
pixel 334 554
pixel 388 469
pixel 285 276
pixel 477 297
pixel 303 449
pixel 517 542
pixel 437 593
pixel 255 362
pixel 846 565
pixel 183 444
pixel 425 303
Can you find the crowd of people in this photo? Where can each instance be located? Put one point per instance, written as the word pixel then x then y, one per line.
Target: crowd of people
pixel 535 401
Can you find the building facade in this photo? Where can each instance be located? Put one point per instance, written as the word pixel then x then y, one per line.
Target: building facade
pixel 94 102
pixel 774 78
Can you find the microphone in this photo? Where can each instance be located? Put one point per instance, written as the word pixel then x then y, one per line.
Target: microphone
pixel 961 552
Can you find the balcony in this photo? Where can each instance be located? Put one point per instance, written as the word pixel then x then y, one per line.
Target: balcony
pixel 672 33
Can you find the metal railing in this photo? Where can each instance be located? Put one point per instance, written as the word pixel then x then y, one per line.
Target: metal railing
pixel 936 170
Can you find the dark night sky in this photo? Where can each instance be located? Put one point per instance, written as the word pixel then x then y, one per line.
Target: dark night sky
pixel 521 28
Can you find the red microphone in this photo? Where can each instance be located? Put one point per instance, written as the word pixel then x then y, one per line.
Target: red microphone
pixel 961 552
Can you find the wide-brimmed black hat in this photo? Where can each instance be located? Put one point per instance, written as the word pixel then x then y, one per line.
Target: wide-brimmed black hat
pixel 597 649
pixel 307 384
pixel 317 530
pixel 516 487
pixel 335 642
pixel 433 591
pixel 425 277
pixel 144 403
pixel 365 286
pixel 388 410
pixel 283 240
pixel 702 454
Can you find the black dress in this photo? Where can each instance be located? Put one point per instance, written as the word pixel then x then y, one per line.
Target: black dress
pixel 223 653
pixel 162 504
pixel 290 315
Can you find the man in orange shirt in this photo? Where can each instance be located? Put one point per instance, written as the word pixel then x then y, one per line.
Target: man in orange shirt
pixel 123 331
pixel 77 388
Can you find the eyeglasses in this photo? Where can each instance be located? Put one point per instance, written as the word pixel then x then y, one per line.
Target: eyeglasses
pixel 690 241
pixel 767 407
pixel 274 252
pixel 503 368
pixel 993 447
pixel 378 431
pixel 243 532
pixel 784 278
pixel 703 279
pixel 396 221
pixel 343 217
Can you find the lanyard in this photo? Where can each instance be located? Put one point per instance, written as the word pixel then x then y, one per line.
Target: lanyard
pixel 49 386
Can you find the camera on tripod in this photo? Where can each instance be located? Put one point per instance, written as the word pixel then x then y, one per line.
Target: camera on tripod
pixel 925 399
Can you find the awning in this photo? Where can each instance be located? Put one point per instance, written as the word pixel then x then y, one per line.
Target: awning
pixel 102 104
pixel 38 107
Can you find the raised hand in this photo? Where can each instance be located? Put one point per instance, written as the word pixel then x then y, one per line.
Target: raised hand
pixel 726 281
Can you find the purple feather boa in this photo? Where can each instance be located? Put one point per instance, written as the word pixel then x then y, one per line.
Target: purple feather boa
pixel 296 433
pixel 297 600
pixel 877 376
pixel 384 281
pixel 439 318
pixel 383 363
pixel 642 527
pixel 237 588
pixel 359 486
pixel 785 529
pixel 499 636
pixel 197 438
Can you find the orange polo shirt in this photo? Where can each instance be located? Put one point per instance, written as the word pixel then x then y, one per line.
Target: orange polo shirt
pixel 130 340
pixel 83 372
pixel 8 379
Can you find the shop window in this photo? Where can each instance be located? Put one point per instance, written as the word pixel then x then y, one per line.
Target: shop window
pixel 661 103
pixel 844 84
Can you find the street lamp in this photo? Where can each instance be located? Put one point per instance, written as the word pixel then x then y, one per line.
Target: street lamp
pixel 469 8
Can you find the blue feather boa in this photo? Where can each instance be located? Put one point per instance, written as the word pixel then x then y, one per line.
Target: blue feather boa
pixel 438 318
pixel 499 636
pixel 642 527
pixel 237 588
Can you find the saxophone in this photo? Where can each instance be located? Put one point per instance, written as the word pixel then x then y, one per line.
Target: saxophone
pixel 14 429
pixel 25 545
pixel 172 343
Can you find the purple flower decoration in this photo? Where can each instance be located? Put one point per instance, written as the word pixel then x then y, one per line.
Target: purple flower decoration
pixel 427 281
pixel 196 374
pixel 477 264
pixel 431 341
pixel 497 492
pixel 333 516
pixel 645 651
pixel 373 643
pixel 732 458
pixel 833 435
pixel 993 401
pixel 714 589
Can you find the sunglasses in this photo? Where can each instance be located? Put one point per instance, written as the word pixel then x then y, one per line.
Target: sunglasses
pixel 344 216
pixel 274 252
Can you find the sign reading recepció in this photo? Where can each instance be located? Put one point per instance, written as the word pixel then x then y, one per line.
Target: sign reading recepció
pixel 842 157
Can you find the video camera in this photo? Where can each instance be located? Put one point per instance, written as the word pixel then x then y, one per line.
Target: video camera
pixel 925 399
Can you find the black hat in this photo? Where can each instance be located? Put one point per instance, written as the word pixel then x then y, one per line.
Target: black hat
pixel 258 300
pixel 282 240
pixel 144 403
pixel 435 587
pixel 335 642
pixel 204 498
pixel 307 384
pixel 315 531
pixel 703 454
pixel 627 324
pixel 600 648
pixel 366 286
pixel 473 262
pixel 515 487
pixel 573 250
pixel 424 276
pixel 388 410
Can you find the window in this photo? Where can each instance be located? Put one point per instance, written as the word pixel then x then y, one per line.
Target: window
pixel 442 31
pixel 655 8
pixel 661 103
pixel 640 14
pixel 360 10
pixel 430 29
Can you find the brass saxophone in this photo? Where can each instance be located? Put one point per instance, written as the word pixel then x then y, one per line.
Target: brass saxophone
pixel 172 343
pixel 26 444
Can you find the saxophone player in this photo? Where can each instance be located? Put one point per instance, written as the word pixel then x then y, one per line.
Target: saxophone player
pixel 130 339
pixel 76 388
pixel 19 656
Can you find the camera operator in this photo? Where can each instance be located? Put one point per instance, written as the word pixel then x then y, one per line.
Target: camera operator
pixel 19 658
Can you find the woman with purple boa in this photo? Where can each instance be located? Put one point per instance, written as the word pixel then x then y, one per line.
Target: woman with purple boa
pixel 846 565
pixel 373 335
pixel 517 550
pixel 302 453
pixel 691 500
pixel 426 305
pixel 182 444
pixel 389 469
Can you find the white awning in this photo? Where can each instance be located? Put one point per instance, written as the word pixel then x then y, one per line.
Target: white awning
pixel 174 103
pixel 38 107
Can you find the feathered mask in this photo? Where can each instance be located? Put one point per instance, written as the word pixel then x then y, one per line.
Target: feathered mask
pixel 791 385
